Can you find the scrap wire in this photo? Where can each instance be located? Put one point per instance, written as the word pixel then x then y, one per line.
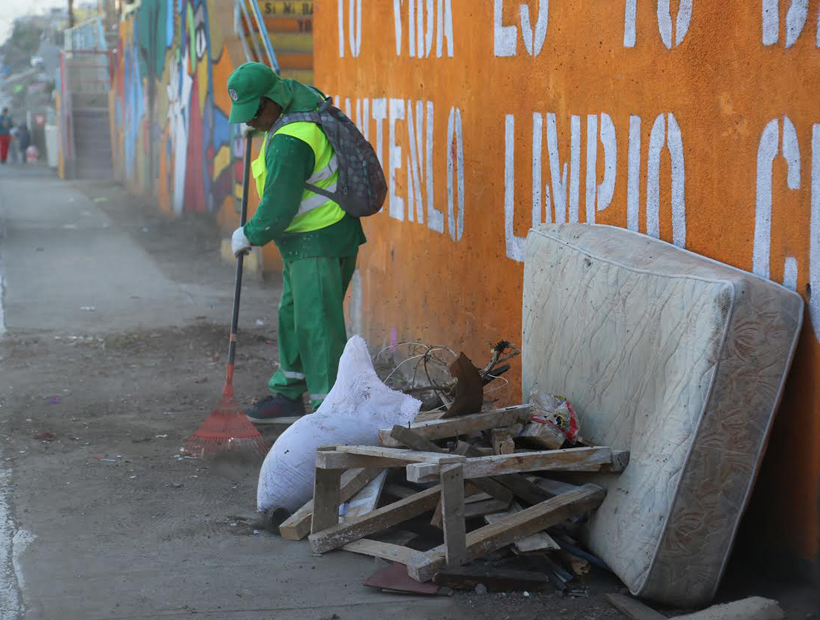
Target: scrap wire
pixel 426 356
pixel 498 350
pixel 505 383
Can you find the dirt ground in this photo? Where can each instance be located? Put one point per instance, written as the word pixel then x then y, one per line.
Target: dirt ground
pixel 109 521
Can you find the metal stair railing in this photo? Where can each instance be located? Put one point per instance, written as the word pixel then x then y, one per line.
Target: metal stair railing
pixel 246 14
pixel 89 35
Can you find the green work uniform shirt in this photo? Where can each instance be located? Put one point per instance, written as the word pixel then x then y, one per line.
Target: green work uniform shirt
pixel 290 162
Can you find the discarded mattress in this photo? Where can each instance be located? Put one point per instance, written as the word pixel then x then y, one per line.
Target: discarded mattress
pixel 680 360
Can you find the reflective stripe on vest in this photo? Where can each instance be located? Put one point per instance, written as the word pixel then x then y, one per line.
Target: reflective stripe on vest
pixel 315 211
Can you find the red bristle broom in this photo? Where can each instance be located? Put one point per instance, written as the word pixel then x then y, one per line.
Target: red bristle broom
pixel 228 428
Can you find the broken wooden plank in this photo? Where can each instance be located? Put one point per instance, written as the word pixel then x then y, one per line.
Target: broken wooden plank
pixel 620 461
pixel 383 550
pixel 470 491
pixel 512 528
pixel 542 435
pixel 365 500
pixel 494 579
pixel 400 491
pixel 452 514
pixel 502 441
pixel 633 608
pixel 436 519
pixel 326 494
pixel 494 489
pixel 426 416
pixel 540 541
pixel 409 456
pixel 525 490
pixel 413 440
pixel 439 429
pixel 515 484
pixel 475 496
pixel 485 507
pixel 387 516
pixel 331 459
pixel 497 487
pixel 395 536
pixel 298 525
pixel 553 487
pixel 573 459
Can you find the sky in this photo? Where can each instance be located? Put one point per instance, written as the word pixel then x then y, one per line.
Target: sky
pixel 12 9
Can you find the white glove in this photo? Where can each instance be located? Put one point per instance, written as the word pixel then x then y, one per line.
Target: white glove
pixel 240 243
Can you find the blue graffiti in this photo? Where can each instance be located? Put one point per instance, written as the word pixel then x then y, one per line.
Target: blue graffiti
pixel 134 105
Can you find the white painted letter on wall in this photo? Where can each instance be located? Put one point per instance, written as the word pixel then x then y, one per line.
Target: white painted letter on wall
pixel 564 192
pixel 397 24
pixel 814 234
pixel 506 37
pixel 427 20
pixel 435 217
pixel 534 39
pixel 394 158
pixel 379 115
pixel 514 245
pixel 598 197
pixel 674 142
pixel 633 190
pixel 455 150
pixel 682 21
pixel 796 18
pixel 415 161
pixel 354 27
pixel 766 153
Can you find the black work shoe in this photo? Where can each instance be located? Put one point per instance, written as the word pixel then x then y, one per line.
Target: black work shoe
pixel 267 410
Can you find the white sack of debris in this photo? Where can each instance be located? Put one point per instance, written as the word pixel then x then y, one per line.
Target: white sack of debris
pixel 356 408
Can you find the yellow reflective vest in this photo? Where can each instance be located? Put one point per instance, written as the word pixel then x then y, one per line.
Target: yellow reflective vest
pixel 315 211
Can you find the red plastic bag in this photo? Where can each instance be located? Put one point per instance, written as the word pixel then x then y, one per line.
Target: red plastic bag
pixel 556 411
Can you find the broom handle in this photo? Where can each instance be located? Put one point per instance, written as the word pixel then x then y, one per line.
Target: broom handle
pixel 237 293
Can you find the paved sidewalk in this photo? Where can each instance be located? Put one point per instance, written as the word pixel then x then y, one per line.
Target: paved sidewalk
pixel 117 325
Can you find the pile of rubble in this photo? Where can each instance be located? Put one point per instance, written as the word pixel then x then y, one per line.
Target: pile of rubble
pixel 488 501
pixel 464 500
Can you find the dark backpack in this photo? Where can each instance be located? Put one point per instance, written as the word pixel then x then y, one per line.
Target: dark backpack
pixel 361 188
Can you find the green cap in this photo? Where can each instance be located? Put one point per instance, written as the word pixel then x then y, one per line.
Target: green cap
pixel 246 87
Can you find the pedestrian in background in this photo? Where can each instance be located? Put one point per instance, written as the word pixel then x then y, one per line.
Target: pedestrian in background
pixel 5 134
pixel 23 141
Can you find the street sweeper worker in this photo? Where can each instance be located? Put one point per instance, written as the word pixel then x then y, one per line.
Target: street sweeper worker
pixel 318 241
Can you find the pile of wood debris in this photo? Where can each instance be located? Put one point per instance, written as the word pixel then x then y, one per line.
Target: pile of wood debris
pixel 464 500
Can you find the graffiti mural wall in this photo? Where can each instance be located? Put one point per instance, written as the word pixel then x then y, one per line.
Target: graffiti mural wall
pixel 694 121
pixel 170 107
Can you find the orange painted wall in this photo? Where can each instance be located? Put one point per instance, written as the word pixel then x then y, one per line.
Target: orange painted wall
pixel 737 96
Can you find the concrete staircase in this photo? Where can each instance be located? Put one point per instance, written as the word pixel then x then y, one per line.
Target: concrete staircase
pixel 88 149
pixel 291 33
pixel 92 143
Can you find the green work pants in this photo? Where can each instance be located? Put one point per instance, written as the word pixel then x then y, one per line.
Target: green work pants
pixel 312 332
